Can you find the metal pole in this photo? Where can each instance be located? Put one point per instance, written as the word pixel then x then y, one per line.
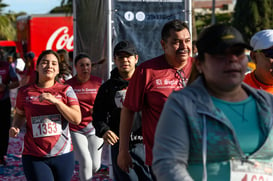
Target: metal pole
pixel 109 37
pixel 213 12
pixel 74 35
pixel 188 14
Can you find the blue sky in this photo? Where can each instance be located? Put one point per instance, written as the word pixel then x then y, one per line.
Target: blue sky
pixel 31 6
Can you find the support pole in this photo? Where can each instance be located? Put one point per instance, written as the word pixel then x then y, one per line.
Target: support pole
pixel 188 14
pixel 213 12
pixel 109 37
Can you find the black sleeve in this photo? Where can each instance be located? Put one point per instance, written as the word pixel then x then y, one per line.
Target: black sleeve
pixel 101 111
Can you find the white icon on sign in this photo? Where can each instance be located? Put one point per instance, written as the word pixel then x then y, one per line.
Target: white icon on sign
pixel 140 16
pixel 129 16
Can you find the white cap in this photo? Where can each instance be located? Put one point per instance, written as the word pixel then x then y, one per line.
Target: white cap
pixel 262 40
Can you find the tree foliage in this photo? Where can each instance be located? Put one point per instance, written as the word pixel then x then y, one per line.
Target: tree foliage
pixel 65 7
pixel 8 23
pixel 8 20
pixel 204 20
pixel 252 16
pixel 7 27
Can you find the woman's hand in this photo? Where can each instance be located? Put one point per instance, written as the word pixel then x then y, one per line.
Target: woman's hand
pixel 48 97
pixel 13 132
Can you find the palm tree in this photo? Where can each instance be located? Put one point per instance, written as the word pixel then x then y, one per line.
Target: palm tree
pixel 7 24
pixel 2 5
pixel 65 7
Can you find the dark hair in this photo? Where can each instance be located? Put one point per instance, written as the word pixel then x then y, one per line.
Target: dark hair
pixel 47 52
pixel 30 55
pixel 63 53
pixel 64 68
pixel 41 56
pixel 80 56
pixel 175 25
pixel 70 54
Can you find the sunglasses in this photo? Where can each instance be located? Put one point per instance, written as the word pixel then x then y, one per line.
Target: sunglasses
pixel 267 52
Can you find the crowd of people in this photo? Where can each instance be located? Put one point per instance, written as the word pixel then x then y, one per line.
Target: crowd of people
pixel 192 113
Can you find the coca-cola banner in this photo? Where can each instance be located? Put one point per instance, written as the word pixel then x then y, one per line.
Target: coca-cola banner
pixel 41 32
pixel 141 22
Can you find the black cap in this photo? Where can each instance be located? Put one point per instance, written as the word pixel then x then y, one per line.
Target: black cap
pixel 30 55
pixel 125 46
pixel 217 38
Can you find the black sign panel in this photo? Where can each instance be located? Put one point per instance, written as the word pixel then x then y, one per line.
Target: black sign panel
pixel 141 23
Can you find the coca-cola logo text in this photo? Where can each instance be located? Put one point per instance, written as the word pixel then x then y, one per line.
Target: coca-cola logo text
pixel 60 40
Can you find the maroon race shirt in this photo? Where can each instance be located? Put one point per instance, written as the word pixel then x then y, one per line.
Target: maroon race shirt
pixel 86 93
pixel 148 90
pixel 7 74
pixel 47 132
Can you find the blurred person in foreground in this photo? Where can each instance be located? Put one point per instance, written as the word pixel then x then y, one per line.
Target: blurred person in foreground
pixel 262 56
pixel 225 130
pixel 107 110
pixel 47 107
pixel 85 142
pixel 151 85
pixel 8 81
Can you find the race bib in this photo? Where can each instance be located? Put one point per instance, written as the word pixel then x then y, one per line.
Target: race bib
pixel 246 171
pixel 47 125
pixel 119 98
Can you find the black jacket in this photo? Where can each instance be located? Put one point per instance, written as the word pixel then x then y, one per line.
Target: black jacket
pixel 107 107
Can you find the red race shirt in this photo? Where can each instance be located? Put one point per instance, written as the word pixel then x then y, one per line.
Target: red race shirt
pixel 47 131
pixel 148 90
pixel 7 74
pixel 86 93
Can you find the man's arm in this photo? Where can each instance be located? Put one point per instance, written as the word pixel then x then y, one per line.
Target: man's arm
pixel 101 110
pixel 126 122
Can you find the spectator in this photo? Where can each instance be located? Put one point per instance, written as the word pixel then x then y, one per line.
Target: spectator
pixel 65 73
pixel 19 63
pixel 262 56
pixel 10 60
pixel 107 109
pixel 218 127
pixel 47 107
pixel 85 142
pixel 151 85
pixel 63 55
pixel 70 55
pixel 29 75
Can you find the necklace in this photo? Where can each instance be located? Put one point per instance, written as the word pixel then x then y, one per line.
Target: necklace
pixel 233 110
